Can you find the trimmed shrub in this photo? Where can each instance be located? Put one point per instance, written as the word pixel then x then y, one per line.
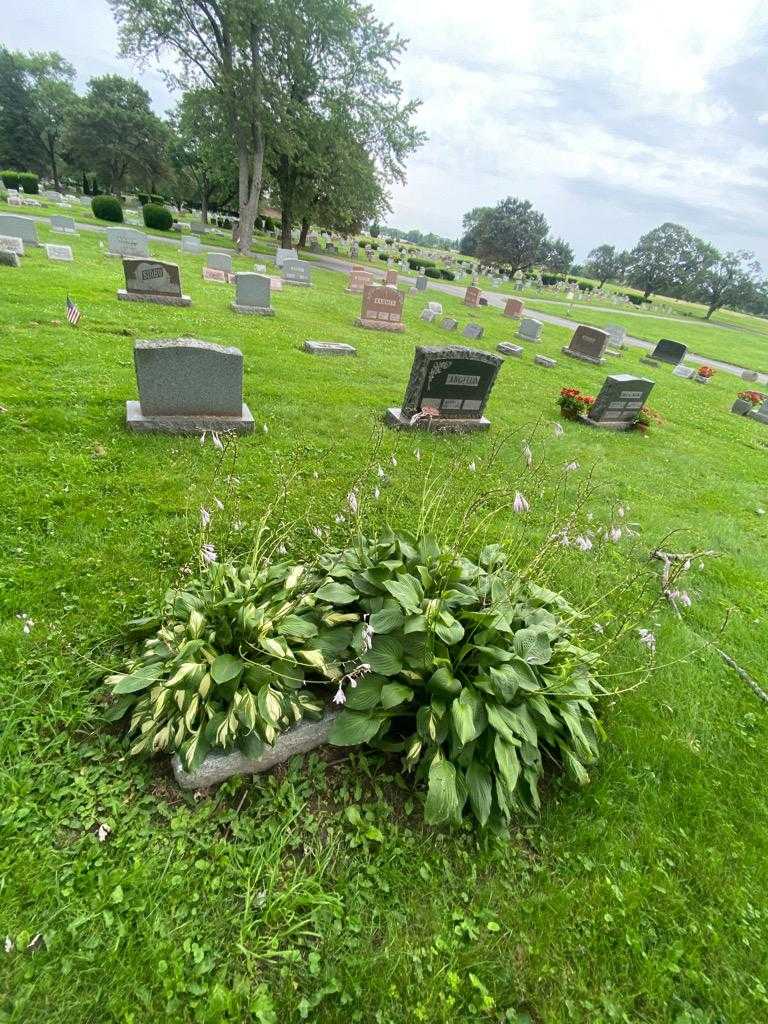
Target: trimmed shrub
pixel 159 200
pixel 20 179
pixel 157 217
pixel 384 256
pixel 549 279
pixel 143 198
pixel 638 300
pixel 269 224
pixel 415 262
pixel 432 272
pixel 447 275
pixel 107 208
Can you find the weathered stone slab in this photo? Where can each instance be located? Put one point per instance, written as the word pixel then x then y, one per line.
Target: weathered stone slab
pixel 19 227
pixel 62 253
pixel 545 361
pixel 449 324
pixel 329 348
pixel 191 244
pixel 297 273
pixel 64 224
pixel 8 243
pixel 218 276
pixel 473 331
pixel 126 242
pixel 648 361
pixel 9 259
pixel 686 372
pixel 508 349
pixel 750 375
pixel 285 254
pixel 221 765
pixel 219 261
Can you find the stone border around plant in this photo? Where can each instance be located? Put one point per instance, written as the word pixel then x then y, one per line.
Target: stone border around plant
pixel 217 767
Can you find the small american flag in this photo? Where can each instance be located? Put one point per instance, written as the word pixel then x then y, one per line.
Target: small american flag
pixel 73 313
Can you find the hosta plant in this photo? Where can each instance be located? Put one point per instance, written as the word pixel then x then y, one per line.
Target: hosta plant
pixel 475 675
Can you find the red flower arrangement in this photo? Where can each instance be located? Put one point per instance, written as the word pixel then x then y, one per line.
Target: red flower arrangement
pixel 755 397
pixel 705 371
pixel 573 404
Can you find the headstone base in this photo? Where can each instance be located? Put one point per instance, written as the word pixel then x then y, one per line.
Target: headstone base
pixel 219 766
pixel 329 348
pixel 761 417
pixel 578 355
pixel 615 352
pixel 219 276
pixel 545 361
pixel 380 325
pixel 157 300
pixel 437 424
pixel 136 421
pixel 648 361
pixel 612 425
pixel 253 310
pixel 353 291
pixel 298 284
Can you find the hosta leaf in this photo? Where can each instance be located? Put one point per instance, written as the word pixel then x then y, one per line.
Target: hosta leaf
pixel 508 764
pixel 480 791
pixel 314 659
pixel 251 745
pixel 287 673
pixel 501 719
pixel 394 694
pixel 336 593
pixel 269 705
pixel 415 624
pixel 366 695
pixel 574 767
pixel 446 794
pixel 226 667
pixel 385 656
pixel 353 727
pixel 333 641
pixel 443 681
pixel 449 634
pixel 246 710
pixel 194 750
pixel 533 646
pixel 468 715
pixel 388 619
pixel 428 549
pixel 407 592
pixel 135 681
pixel 296 626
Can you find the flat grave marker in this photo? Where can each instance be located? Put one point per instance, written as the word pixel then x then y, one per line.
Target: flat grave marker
pixel 10 243
pixel 507 348
pixel 329 348
pixel 686 372
pixel 449 324
pixel 473 331
pixel 448 390
pixel 545 361
pixel 188 386
pixel 62 253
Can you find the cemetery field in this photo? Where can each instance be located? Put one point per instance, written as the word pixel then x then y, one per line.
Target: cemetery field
pixel 745 344
pixel 317 893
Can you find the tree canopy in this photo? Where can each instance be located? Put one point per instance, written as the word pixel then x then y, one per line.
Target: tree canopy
pixel 511 233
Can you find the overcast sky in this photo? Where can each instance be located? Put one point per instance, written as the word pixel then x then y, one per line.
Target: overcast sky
pixel 610 117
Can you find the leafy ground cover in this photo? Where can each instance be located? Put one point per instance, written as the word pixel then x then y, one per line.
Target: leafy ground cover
pixel 318 893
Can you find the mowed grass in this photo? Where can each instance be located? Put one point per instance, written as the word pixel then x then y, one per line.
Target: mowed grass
pixel 641 898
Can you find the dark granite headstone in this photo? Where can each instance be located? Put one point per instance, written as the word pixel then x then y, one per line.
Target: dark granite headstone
pixel 448 389
pixel 148 280
pixel 672 352
pixel 618 405
pixel 587 344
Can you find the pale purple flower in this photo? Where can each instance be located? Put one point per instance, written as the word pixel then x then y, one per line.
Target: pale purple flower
pixel 614 534
pixel 352 503
pixel 205 517
pixel 393 460
pixel 208 554
pixel 583 543
pixel 366 639
pixel 103 832
pixel 472 466
pixel 237 526
pixel 571 467
pixel 340 519
pixel 265 429
pixel 217 442
pixel 620 512
pixel 598 628
pixel 527 454
pixel 380 473
pixel 26 623
pixel 648 639
pixel 685 599
pixel 417 455
pixel 562 539
pixel 219 504
pixel 8 945
pixel 315 475
pixel 520 504
pixel 376 493
pixel 558 430
pixel 686 565
pixel 317 532
pixel 282 550
pixel 340 697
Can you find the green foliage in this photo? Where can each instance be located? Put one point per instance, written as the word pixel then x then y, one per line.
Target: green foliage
pixel 143 198
pixel 668 259
pixel 473 675
pixel 374 231
pixel 512 234
pixel 156 216
pixel 21 179
pixel 433 272
pixel 447 275
pixel 269 224
pixel 107 208
pixel 415 262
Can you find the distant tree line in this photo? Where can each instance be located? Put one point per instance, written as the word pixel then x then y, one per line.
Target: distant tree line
pixel 428 241
pixel 296 103
pixel 669 260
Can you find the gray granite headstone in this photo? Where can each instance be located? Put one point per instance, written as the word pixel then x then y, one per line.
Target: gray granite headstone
pixel 760 414
pixel 421 283
pixel 8 243
pixel 428 316
pixel 616 335
pixel 9 259
pixel 191 244
pixel 448 390
pixel 65 224
pixel 285 254
pixel 219 261
pixel 545 361
pixel 297 272
pixel 253 294
pixel 188 386
pixel 198 228
pixel 473 331
pixel 508 349
pixel 126 242
pixel 620 401
pixel 449 324
pixel 750 375
pixel 62 253
pixel 587 344
pixel 686 372
pixel 329 348
pixel 148 280
pixel 19 227
pixel 529 329
pixel 672 352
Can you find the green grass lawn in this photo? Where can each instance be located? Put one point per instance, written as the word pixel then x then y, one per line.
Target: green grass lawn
pixel 640 899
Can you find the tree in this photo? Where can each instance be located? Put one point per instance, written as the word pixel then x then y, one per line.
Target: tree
pixel 201 154
pixel 114 133
pixel 557 255
pixel 511 233
pixel 603 264
pixel 732 280
pixel 667 259
pixel 36 99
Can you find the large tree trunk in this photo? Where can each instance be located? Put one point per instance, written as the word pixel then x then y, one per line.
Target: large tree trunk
pixel 54 168
pixel 204 206
pixel 304 232
pixel 250 164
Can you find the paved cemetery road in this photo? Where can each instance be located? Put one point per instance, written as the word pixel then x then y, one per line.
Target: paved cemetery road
pixel 494 298
pixel 499 300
